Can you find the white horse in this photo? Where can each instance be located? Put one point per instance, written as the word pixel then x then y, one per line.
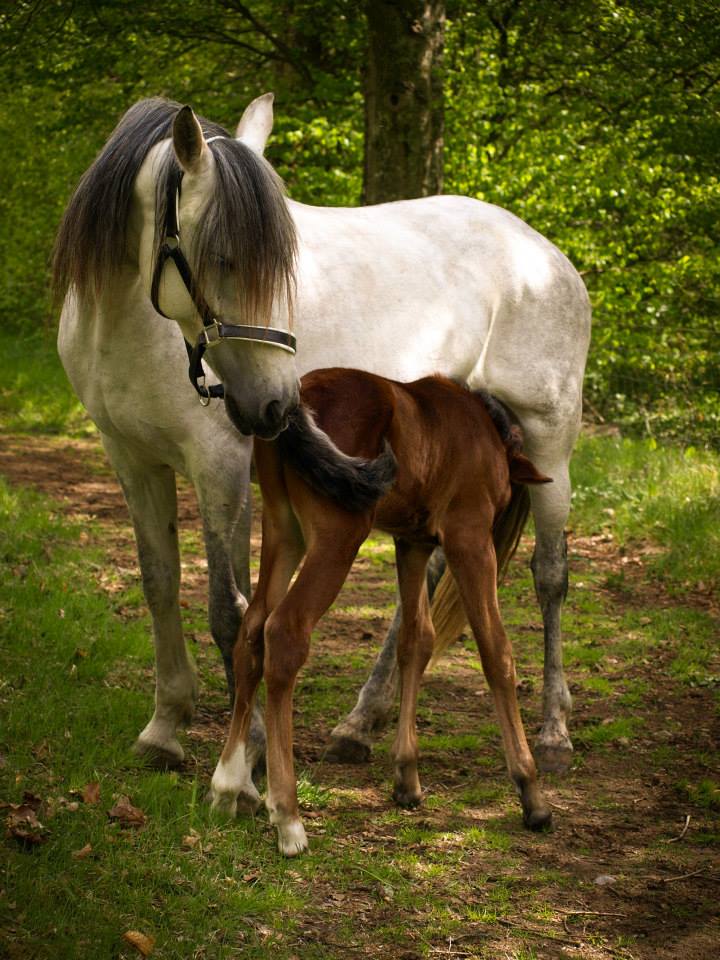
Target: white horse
pixel 444 285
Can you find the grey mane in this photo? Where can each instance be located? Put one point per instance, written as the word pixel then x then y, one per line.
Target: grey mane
pixel 247 231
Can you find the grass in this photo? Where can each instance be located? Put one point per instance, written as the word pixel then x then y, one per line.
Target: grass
pixel 75 688
pixel 640 490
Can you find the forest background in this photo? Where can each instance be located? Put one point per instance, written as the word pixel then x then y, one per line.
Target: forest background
pixel 597 122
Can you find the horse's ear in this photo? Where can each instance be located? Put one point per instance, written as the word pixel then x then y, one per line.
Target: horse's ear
pixel 190 147
pixel 256 123
pixel 523 470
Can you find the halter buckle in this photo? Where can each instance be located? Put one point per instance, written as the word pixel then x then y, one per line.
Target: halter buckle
pixel 212 333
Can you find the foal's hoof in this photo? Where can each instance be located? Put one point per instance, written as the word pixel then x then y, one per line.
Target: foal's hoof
pixel 554 757
pixel 538 819
pixel 291 838
pixel 165 756
pixel 348 750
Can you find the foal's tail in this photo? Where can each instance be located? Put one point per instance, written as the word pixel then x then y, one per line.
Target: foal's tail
pixel 447 611
pixel 354 483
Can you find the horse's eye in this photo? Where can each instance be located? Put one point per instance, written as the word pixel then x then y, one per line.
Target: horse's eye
pixel 221 262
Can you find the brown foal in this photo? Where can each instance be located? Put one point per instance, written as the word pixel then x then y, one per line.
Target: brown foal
pixel 428 462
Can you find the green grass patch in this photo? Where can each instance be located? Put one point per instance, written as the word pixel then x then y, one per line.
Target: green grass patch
pixel 639 489
pixel 35 394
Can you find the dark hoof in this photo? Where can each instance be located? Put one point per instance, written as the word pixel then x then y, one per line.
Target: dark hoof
pixel 345 750
pixel 539 819
pixel 408 801
pixel 157 757
pixel 553 757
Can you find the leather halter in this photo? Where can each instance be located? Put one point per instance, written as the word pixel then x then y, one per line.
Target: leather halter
pixel 214 330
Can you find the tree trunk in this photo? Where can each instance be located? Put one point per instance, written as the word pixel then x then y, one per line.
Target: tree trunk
pixel 404 99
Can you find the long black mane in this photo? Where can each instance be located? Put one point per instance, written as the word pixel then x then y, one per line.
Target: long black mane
pixel 246 232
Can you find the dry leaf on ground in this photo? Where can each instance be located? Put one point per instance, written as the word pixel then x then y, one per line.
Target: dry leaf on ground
pixel 126 814
pixel 91 792
pixel 82 853
pixel 141 941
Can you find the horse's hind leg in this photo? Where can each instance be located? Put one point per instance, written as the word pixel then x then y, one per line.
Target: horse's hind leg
pixel 415 644
pixel 151 498
pixel 351 740
pixel 550 507
pixel 471 557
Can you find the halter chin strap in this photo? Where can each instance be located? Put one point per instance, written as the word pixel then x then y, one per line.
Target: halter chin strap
pixel 214 330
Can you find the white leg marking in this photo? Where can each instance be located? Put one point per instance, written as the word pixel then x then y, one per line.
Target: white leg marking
pixel 232 787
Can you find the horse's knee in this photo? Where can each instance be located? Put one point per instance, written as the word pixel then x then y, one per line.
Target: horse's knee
pixel 286 649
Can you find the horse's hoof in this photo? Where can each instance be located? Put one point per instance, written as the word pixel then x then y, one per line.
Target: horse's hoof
pixel 347 750
pixel 538 819
pixel 292 839
pixel 166 756
pixel 555 757
pixel 407 800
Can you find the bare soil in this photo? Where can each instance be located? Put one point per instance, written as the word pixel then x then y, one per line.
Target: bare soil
pixel 623 872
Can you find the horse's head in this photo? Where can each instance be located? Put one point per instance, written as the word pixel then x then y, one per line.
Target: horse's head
pixel 217 254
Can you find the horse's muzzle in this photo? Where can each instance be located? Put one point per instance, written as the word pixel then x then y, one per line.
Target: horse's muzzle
pixel 270 419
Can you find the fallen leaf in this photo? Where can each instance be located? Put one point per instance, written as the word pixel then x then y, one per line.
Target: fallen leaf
pixel 23 825
pixel 82 853
pixel 126 814
pixel 141 941
pixel 91 792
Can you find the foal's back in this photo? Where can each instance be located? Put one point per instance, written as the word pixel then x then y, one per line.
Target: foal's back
pixel 448 442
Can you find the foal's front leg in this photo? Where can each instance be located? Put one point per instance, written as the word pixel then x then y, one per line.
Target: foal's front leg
pixel 415 644
pixel 232 787
pixel 287 643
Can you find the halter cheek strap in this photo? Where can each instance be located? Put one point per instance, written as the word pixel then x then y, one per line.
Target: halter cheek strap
pixel 214 330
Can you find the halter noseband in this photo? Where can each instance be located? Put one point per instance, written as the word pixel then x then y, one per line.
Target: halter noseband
pixel 214 330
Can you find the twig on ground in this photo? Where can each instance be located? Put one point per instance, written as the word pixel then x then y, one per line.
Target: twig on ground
pixel 683 876
pixel 682 832
pixel 588 913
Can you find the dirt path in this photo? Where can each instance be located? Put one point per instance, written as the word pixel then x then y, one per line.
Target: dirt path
pixel 625 873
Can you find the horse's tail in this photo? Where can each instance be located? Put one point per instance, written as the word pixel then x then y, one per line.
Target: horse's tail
pixel 355 483
pixel 447 611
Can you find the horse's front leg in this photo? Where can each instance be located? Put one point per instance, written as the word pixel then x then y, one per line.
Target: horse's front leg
pixel 352 739
pixel 151 498
pixel 222 483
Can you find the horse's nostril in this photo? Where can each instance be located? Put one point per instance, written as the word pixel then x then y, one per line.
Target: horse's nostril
pixel 272 412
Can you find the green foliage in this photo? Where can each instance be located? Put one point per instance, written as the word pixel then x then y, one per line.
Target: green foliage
pixel 597 122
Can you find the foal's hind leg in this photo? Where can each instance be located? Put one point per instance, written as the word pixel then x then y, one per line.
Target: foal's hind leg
pixel 415 644
pixel 351 740
pixel 150 494
pixel 471 557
